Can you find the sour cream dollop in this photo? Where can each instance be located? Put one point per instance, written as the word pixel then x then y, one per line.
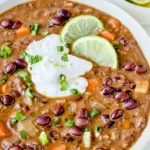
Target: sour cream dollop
pixel 45 74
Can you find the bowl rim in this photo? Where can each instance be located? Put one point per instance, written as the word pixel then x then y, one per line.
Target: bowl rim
pixel 143 39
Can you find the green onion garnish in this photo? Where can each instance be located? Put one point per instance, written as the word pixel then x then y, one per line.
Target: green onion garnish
pixel 65 57
pixel 5 51
pixel 74 91
pixel 44 138
pixel 45 33
pixel 23 134
pixel 98 128
pixel 29 92
pixel 69 123
pixel 24 55
pixel 34 59
pixel 94 113
pixel 34 28
pixel 4 79
pixel 19 116
pixel 64 85
pixel 86 129
pixel 22 74
pixel 14 121
pixel 60 48
pixel 56 120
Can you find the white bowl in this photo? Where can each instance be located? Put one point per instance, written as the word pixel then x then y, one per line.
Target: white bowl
pixel 141 14
pixel 140 35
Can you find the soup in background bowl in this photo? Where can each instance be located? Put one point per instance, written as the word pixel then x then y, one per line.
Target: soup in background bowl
pixel 73 77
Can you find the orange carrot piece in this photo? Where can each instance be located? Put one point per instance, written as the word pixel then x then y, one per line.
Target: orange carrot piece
pixel 126 124
pixel 58 147
pixel 3 88
pixel 3 130
pixel 93 84
pixel 22 31
pixel 107 35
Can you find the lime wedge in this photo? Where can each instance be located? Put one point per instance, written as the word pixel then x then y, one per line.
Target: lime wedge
pixel 140 2
pixel 97 49
pixel 80 26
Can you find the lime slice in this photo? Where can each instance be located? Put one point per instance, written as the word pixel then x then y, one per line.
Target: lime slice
pixel 80 26
pixel 140 2
pixel 97 49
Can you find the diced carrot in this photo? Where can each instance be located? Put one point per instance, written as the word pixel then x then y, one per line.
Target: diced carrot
pixel 3 130
pixel 93 84
pixel 3 88
pixel 107 35
pixel 22 31
pixel 13 113
pixel 126 124
pixel 58 147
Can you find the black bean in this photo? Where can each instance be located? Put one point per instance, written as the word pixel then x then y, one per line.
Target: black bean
pixel 122 96
pixel 131 104
pixel 34 145
pixel 101 149
pixel 58 110
pixel 129 66
pixel 82 122
pixel 7 100
pixel 15 93
pixel 123 41
pixel 68 138
pixel 115 79
pixel 21 64
pixel 54 135
pixel 16 24
pixel 83 113
pixel 116 114
pixel 132 85
pixel 10 68
pixel 43 120
pixel 110 124
pixel 74 130
pixel 107 90
pixel 105 117
pixel 107 81
pixel 65 14
pixel 57 20
pixel 140 69
pixel 25 108
pixel 15 147
pixel 118 90
pixel 6 23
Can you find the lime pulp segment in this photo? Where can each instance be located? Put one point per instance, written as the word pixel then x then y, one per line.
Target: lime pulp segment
pixel 140 2
pixel 97 49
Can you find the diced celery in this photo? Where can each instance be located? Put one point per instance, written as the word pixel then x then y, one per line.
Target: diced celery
pixel 43 138
pixel 87 139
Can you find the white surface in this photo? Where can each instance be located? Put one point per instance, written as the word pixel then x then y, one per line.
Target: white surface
pixel 46 80
pixel 141 14
pixel 138 32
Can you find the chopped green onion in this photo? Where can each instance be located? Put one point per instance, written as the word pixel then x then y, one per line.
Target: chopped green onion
pixel 60 48
pixel 23 134
pixel 65 57
pixel 43 138
pixel 22 74
pixel 34 59
pixel 30 68
pixel 14 121
pixel 64 85
pixel 4 79
pixel 45 33
pixel 115 44
pixel 98 128
pixel 29 92
pixel 86 129
pixel 67 45
pixel 62 77
pixel 19 116
pixel 24 55
pixel 34 28
pixel 5 51
pixel 56 120
pixel 74 91
pixel 69 123
pixel 27 81
pixel 94 113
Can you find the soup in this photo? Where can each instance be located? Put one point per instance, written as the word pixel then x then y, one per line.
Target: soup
pixel 67 84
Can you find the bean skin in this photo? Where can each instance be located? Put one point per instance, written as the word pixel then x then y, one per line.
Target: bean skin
pixel 117 114
pixel 10 68
pixel 83 113
pixel 43 120
pixel 65 14
pixel 57 20
pixel 132 85
pixel 129 66
pixel 6 23
pixel 105 117
pixel 76 131
pixel 122 96
pixel 7 100
pixel 131 104
pixel 15 147
pixel 110 124
pixel 21 64
pixel 82 122
pixel 16 24
pixel 58 110
pixel 107 90
pixel 107 81
pixel 140 69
